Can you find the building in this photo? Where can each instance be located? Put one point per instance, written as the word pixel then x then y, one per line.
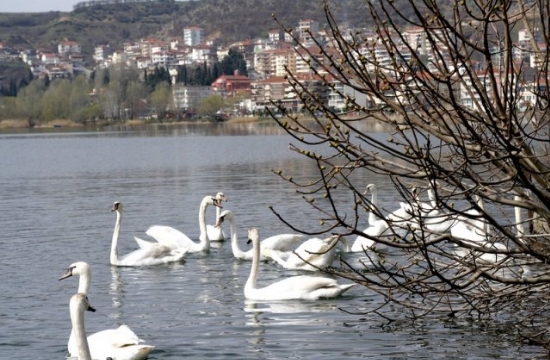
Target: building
pixel 187 98
pixel 228 85
pixel 193 36
pixel 68 47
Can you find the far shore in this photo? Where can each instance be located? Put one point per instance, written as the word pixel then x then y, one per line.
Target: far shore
pixel 68 124
pixel 23 124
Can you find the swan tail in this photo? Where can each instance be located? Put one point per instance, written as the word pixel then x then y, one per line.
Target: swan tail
pixel 332 291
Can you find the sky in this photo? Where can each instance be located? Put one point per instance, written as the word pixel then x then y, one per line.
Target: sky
pixel 36 5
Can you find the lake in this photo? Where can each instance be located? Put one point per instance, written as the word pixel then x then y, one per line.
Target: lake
pixel 57 189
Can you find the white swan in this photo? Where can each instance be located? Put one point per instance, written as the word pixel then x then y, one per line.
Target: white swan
pixel 117 343
pixel 153 254
pixel 376 226
pixel 296 287
pixel 277 243
pixel 312 255
pixel 78 304
pixel 175 239
pixel 216 233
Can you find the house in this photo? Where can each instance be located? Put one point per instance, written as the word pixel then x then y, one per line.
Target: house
pixel 50 59
pixel 68 47
pixel 227 85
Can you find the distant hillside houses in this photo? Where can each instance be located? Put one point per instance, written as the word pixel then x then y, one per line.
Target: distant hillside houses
pixel 274 62
pixel 84 4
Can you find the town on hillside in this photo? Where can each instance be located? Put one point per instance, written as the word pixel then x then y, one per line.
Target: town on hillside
pixel 270 63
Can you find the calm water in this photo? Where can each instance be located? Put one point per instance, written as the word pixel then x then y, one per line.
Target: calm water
pixel 56 191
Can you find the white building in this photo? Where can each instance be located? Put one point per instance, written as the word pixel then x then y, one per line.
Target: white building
pixel 193 36
pixel 188 97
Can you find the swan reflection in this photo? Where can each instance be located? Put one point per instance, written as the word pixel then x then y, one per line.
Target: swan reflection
pixel 301 312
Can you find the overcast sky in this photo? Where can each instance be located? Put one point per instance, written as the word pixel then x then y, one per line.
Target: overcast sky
pixel 36 5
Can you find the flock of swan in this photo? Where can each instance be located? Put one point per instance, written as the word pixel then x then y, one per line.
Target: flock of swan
pixel 291 251
pixel 170 245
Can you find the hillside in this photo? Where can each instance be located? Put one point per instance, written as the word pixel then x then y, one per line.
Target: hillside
pixel 113 24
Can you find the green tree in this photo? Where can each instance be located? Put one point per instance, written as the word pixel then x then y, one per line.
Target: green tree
pixel 161 100
pixel 29 102
pixel 209 106
pixel 234 60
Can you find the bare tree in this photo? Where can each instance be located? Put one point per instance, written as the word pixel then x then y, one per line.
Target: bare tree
pixel 461 89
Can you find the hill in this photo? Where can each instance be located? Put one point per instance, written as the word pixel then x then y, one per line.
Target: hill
pixel 114 24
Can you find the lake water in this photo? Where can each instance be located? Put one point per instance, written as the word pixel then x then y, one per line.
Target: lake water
pixel 56 192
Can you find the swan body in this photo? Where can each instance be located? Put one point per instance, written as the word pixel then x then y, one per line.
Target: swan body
pixel 119 343
pixel 277 244
pixel 153 254
pixel 216 233
pixel 312 255
pixel 175 239
pixel 292 288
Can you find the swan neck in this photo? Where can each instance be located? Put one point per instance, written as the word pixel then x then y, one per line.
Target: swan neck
pixel 84 282
pixel 346 247
pixel 251 282
pixel 79 333
pixel 203 237
pixel 114 242
pixel 374 200
pixel 519 221
pixel 237 252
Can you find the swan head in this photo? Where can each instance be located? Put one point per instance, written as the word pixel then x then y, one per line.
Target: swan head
pixel 224 215
pixel 370 188
pixel 220 197
pixel 253 235
pixel 117 206
pixel 77 268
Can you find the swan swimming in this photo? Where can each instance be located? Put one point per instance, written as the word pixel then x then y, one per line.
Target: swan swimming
pixel 119 343
pixel 292 288
pixel 281 243
pixel 175 239
pixel 216 233
pixel 153 254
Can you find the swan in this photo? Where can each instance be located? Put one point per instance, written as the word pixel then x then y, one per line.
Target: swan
pixel 78 304
pixel 312 255
pixel 292 288
pixel 151 255
pixel 281 243
pixel 216 233
pixel 122 341
pixel 376 226
pixel 175 239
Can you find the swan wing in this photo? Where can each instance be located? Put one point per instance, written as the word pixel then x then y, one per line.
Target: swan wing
pixel 130 352
pixel 299 287
pixel 154 255
pixel 319 254
pixel 119 337
pixel 168 236
pixel 143 244
pixel 282 242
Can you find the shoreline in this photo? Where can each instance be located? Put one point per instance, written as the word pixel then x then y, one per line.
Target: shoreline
pixel 63 123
